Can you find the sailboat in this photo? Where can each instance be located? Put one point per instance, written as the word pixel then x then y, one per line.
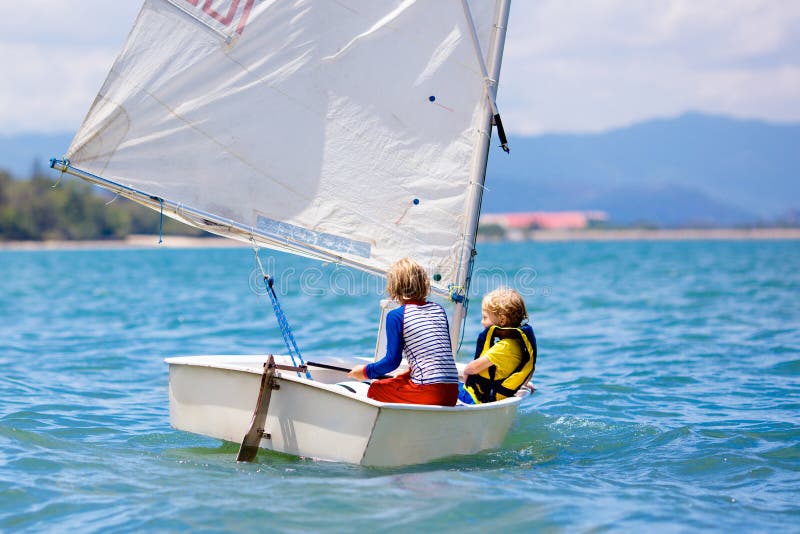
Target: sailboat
pixel 349 131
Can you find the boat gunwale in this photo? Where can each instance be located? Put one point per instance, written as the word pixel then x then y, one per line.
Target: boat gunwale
pixel 197 361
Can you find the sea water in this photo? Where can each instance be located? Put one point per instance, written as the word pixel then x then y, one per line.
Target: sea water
pixel 667 396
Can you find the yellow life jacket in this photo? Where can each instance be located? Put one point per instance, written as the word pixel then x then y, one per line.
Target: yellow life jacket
pixel 486 386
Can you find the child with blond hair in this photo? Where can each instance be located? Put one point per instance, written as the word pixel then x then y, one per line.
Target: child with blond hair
pixel 418 330
pixel 505 355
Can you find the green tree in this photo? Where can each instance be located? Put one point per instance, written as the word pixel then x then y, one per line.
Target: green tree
pixel 36 209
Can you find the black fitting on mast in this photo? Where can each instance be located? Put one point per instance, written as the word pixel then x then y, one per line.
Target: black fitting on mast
pixel 501 133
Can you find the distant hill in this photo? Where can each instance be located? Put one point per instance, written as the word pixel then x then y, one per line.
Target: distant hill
pixel 693 169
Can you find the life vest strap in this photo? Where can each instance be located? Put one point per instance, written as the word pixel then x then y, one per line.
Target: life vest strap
pixel 487 388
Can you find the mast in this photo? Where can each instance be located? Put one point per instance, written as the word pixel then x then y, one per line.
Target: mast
pixel 478 174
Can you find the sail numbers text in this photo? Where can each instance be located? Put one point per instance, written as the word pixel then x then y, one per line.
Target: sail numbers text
pixel 229 13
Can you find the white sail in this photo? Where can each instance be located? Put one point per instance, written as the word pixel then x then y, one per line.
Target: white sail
pixel 343 129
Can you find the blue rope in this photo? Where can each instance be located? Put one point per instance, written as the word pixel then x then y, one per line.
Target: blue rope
pixel 283 324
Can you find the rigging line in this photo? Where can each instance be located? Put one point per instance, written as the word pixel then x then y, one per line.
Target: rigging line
pixel 463 329
pixel 61 175
pixel 466 297
pixel 490 84
pixel 283 323
pixel 480 154
pixel 221 225
pixel 488 89
pixel 161 222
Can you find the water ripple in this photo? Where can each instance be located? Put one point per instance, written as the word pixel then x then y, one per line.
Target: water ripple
pixel 667 396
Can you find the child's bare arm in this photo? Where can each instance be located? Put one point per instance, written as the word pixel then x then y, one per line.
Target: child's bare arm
pixel 476 366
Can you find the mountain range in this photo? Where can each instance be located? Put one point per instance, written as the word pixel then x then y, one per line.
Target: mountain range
pixel 694 169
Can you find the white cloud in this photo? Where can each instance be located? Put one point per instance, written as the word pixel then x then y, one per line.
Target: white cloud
pixel 570 65
pixel 56 54
pixel 596 64
pixel 51 88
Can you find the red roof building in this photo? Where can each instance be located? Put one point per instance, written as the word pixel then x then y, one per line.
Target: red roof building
pixel 546 220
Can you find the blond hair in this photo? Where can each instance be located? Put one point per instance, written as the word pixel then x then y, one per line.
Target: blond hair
pixel 407 280
pixel 505 307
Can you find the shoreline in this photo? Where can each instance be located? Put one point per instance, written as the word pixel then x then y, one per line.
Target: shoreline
pixel 130 242
pixel 182 242
pixel 676 234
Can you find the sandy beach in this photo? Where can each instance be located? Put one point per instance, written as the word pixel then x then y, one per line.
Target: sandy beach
pixel 684 234
pixel 132 241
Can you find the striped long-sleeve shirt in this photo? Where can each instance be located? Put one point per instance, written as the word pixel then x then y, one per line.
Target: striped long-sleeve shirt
pixel 421 333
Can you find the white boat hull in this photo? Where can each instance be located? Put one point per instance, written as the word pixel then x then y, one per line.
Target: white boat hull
pixel 216 395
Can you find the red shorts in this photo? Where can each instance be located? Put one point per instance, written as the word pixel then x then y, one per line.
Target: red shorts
pixel 401 389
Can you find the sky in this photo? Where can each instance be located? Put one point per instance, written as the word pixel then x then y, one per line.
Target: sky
pixel 569 66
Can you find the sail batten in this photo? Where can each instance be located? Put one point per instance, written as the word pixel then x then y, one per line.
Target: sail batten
pixel 346 130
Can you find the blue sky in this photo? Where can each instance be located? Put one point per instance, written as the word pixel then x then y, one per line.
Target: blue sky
pixel 570 65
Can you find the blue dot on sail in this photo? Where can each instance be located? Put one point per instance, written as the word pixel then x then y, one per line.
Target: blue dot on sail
pixel 432 98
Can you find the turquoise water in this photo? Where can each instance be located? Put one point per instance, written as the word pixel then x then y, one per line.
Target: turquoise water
pixel 667 395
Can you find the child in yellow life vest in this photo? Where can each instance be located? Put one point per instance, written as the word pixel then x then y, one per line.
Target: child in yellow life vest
pixel 505 356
